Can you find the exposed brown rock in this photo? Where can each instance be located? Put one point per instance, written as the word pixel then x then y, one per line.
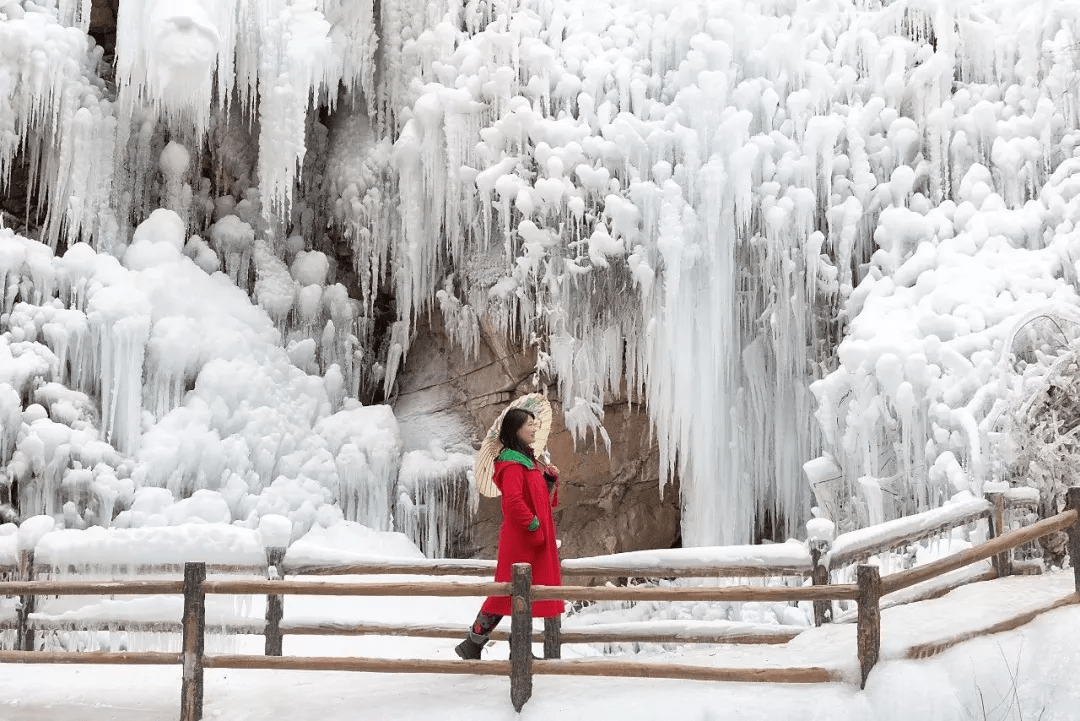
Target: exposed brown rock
pixel 608 503
pixel 103 15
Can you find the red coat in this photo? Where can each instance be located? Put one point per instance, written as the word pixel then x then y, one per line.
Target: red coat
pixel 525 497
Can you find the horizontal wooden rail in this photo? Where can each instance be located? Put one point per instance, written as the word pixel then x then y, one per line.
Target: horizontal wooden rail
pixel 713 571
pixel 332 628
pixel 442 567
pixel 847 556
pixel 133 658
pixel 925 650
pixel 585 635
pixel 637 669
pixel 345 663
pixel 1004 542
pixel 837 592
pixel 89 588
pixel 448 567
pixel 925 591
pixel 324 588
pixel 501 668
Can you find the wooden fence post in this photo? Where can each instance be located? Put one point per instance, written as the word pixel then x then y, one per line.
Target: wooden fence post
pixel 1072 502
pixel 191 692
pixel 275 609
pixel 1002 561
pixel 869 632
pixel 819 552
pixel 553 637
pixel 520 635
pixel 24 635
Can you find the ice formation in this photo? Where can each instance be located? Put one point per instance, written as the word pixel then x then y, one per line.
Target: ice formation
pixel 436 498
pixel 202 416
pixel 790 229
pixel 698 199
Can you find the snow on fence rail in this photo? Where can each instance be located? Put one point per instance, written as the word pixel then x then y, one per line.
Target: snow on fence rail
pixel 521 668
pixel 863 543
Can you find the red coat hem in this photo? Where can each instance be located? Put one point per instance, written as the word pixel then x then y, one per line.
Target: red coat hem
pixel 547 608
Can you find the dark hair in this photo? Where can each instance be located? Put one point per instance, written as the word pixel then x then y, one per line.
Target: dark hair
pixel 514 419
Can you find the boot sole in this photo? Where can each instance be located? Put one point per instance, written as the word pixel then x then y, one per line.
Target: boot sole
pixel 465 657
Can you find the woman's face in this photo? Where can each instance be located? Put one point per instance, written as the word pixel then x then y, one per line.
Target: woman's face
pixel 527 432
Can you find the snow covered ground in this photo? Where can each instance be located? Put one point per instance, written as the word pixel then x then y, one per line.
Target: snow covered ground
pixel 1013 675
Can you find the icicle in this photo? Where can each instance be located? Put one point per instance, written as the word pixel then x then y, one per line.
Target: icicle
pixel 435 499
pixel 120 329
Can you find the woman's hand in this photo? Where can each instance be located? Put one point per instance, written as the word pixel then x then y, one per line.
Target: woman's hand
pixel 550 470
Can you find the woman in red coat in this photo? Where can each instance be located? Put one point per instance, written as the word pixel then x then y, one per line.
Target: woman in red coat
pixel 529 492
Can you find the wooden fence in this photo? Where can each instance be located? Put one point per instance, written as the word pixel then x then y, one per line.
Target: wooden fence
pixel 827 557
pixel 867 593
pixel 821 566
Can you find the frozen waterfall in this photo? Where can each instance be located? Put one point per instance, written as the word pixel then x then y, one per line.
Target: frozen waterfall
pixel 789 229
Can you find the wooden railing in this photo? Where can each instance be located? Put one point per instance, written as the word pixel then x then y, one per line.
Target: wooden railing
pixel 521 668
pixel 819 565
pixel 851 549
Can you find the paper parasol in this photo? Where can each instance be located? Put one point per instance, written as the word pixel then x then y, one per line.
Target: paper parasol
pixel 484 470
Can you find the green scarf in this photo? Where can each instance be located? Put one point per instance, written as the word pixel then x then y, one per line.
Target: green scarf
pixel 509 454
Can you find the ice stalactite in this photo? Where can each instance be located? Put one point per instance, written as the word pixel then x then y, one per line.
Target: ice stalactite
pixel 593 193
pixel 358 186
pixel 295 49
pixel 166 55
pixel 234 241
pixel 366 445
pixel 75 13
pixel 55 109
pixel 120 327
pixel 401 23
pixel 273 59
pixel 435 499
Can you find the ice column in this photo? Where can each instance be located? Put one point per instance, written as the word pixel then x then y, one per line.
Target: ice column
pixel 120 326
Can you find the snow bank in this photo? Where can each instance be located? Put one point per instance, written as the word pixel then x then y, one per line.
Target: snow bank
pixel 205 543
pixel 350 542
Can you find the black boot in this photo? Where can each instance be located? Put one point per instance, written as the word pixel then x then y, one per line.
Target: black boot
pixel 469 650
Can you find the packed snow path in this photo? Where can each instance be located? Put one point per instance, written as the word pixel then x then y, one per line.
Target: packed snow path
pixel 949 685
